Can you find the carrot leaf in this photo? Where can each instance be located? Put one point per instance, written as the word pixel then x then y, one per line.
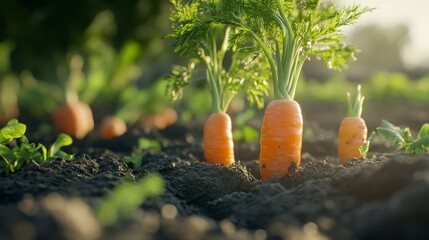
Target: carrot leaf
pixel 13 129
pixel 355 103
pixel 402 139
pixel 16 151
pixel 290 32
pixel 228 69
pixel 424 131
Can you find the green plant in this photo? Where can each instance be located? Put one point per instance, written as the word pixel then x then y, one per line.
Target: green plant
pixel 245 132
pixel 144 146
pixel 127 197
pixel 227 70
pixel 401 138
pixel 287 33
pixel 16 150
pixel 353 131
pixel 290 32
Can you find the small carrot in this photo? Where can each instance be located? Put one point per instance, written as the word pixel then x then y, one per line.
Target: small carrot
pixel 218 142
pixel 112 127
pixel 161 120
pixel 74 118
pixel 169 115
pixel 281 139
pixel 352 133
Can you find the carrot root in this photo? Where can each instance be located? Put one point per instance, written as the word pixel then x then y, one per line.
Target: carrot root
pixel 352 134
pixel 74 118
pixel 281 139
pixel 112 127
pixel 218 143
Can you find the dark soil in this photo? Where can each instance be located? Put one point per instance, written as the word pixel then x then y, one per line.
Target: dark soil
pixel 381 197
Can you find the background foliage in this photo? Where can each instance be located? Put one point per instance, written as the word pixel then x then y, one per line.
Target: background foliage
pixel 114 51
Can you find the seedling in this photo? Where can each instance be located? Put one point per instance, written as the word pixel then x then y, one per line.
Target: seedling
pixel 401 138
pixel 144 146
pixel 127 197
pixel 14 156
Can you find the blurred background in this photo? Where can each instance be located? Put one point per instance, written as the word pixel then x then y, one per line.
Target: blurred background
pixel 113 54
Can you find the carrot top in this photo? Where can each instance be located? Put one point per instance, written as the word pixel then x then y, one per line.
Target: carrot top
pixel 198 36
pixel 290 32
pixel 355 103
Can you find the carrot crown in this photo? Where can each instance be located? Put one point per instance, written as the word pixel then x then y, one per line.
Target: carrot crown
pixel 355 103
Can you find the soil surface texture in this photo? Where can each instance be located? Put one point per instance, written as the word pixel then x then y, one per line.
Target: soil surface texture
pixel 382 197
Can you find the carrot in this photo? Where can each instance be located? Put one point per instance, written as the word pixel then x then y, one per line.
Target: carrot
pixel 352 133
pixel 161 120
pixel 8 113
pixel 112 127
pixel 218 143
pixel 281 139
pixel 169 115
pixel 286 33
pixel 74 118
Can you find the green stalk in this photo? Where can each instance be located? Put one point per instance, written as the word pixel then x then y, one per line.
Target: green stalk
pixel 355 103
pixel 295 77
pixel 212 81
pixel 291 49
pixel 270 59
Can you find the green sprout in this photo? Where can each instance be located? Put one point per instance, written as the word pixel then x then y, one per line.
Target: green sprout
pixel 13 157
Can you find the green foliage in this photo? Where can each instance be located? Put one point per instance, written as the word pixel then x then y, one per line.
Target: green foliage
pixel 401 138
pixel 144 146
pixel 46 32
pixel 381 87
pixel 386 85
pixel 331 90
pixel 133 102
pixel 180 78
pixel 14 156
pixel 243 131
pixel 289 32
pixel 355 103
pixel 126 198
pixel 196 33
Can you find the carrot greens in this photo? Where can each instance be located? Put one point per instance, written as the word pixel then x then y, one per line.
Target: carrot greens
pixel 197 35
pixel 401 138
pixel 354 103
pixel 290 32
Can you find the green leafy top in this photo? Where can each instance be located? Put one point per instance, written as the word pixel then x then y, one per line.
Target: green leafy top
pixel 355 103
pixel 288 32
pixel 196 34
pixel 13 157
pixel 401 138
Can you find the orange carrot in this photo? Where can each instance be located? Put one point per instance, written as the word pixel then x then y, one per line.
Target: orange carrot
pixel 218 143
pixel 161 120
pixel 170 115
pixel 352 133
pixel 8 113
pixel 112 127
pixel 74 118
pixel 281 139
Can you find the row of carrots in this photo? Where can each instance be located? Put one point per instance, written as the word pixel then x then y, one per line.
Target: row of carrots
pixel 281 137
pixel 75 118
pixel 279 36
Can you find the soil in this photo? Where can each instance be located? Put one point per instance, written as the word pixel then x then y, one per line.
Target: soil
pixel 381 197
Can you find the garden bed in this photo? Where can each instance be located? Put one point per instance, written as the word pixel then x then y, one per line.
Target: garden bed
pixel 382 197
